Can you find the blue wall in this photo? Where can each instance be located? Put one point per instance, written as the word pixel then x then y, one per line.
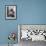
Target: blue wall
pixel 28 12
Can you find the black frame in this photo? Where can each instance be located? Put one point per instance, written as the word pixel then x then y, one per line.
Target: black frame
pixel 6 12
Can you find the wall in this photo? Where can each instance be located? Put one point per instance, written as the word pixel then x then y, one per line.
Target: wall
pixel 28 12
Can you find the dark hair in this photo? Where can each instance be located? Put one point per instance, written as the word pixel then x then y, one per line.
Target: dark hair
pixel 11 10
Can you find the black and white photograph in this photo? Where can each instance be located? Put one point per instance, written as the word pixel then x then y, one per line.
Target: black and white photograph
pixel 10 12
pixel 30 34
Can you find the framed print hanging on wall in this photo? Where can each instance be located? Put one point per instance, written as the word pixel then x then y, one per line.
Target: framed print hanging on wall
pixel 10 12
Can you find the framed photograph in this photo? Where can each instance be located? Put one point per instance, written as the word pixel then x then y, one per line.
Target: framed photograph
pixel 10 12
pixel 33 32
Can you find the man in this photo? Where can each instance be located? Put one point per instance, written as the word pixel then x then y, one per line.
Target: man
pixel 11 13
